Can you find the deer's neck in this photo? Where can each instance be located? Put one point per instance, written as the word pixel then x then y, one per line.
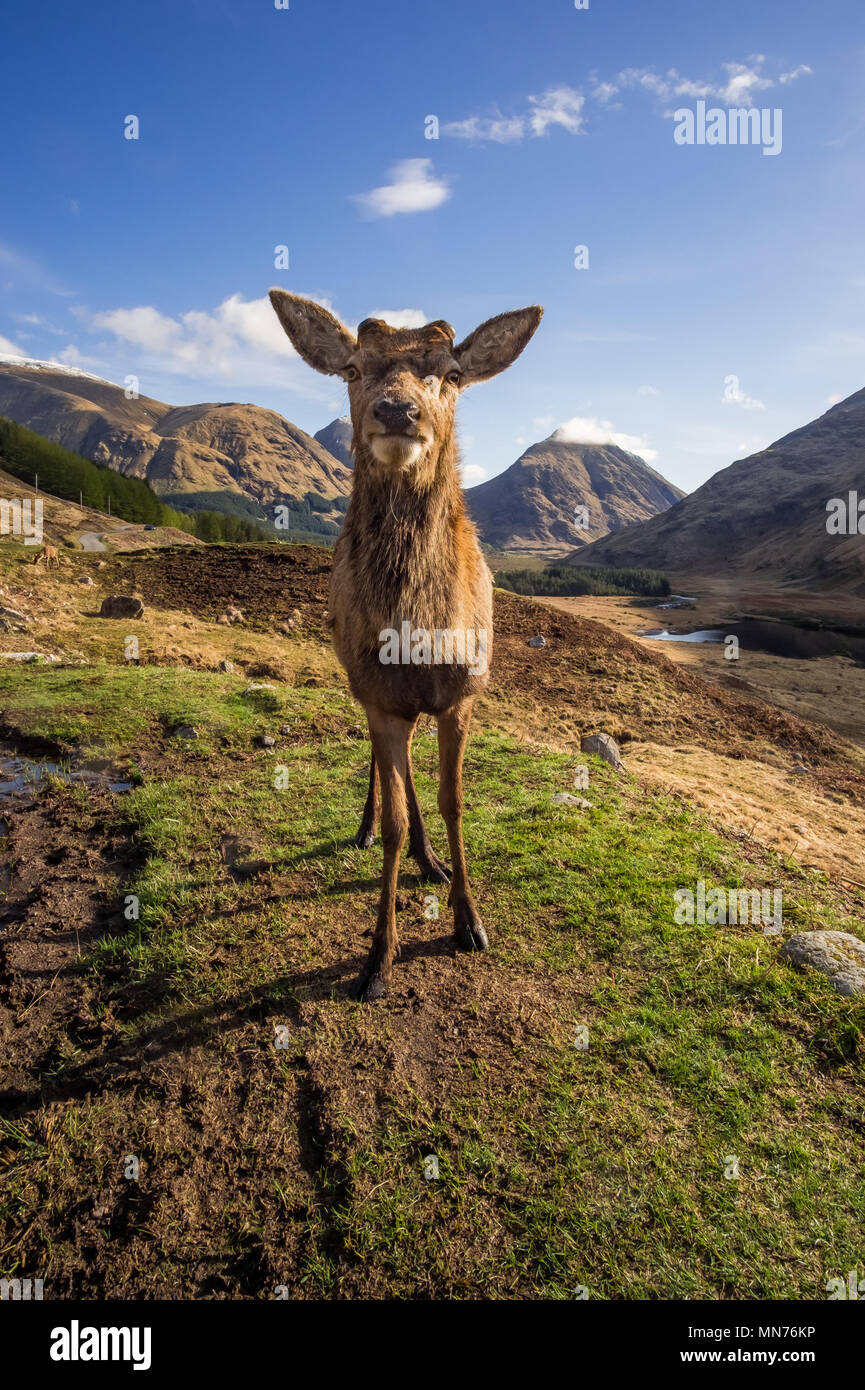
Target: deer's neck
pixel 403 535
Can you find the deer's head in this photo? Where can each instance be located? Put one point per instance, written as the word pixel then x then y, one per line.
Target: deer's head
pixel 403 383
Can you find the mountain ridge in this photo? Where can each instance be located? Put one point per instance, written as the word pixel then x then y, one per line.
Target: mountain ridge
pixel 764 514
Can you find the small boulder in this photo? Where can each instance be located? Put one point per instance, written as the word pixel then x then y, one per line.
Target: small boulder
pixel 266 741
pixel 232 615
pixel 185 731
pixel 86 581
pixel 838 954
pixel 122 606
pixel 568 799
pixel 227 666
pixel 605 747
pixel 538 641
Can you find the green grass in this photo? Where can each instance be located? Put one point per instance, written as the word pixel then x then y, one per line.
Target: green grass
pixel 560 1166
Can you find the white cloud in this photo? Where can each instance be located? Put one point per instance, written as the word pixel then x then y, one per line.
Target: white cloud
pixel 742 83
pixel 197 342
pixel 8 349
pixel 557 106
pixel 401 318
pixel 413 189
pixel 647 391
pixel 501 129
pixel 473 474
pixel 240 343
pixel 737 88
pixel 734 395
pixel 801 71
pixel 589 430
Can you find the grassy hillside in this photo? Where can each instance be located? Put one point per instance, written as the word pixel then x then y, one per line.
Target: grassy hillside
pixel 587 1087
pixel 26 455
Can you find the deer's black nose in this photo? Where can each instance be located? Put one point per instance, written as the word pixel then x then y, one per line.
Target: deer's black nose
pixel 396 416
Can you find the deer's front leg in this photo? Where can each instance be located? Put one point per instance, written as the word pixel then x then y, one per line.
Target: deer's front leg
pixel 390 741
pixel 453 728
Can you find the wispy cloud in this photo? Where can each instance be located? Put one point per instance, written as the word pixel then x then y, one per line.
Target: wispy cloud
pixel 737 87
pixel 589 430
pixel 563 106
pixel 413 188
pixel 734 395
pixel 557 106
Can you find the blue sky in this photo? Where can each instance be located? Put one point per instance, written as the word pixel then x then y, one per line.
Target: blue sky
pixel 723 301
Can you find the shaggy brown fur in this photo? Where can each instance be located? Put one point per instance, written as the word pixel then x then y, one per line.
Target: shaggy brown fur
pixel 48 553
pixel 408 554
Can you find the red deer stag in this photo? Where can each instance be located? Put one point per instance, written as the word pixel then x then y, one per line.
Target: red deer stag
pixel 411 594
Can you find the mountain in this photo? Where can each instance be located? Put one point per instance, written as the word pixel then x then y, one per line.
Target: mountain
pixel 533 504
pixel 765 515
pixel 336 438
pixel 238 451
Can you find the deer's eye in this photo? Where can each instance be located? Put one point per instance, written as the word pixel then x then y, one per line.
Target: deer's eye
pixel 454 378
pixel 352 373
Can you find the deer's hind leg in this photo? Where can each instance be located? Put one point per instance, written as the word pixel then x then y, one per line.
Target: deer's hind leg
pixel 365 837
pixel 453 731
pixel 433 869
pixel 391 736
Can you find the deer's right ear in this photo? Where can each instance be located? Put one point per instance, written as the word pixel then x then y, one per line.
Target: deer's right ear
pixel 322 341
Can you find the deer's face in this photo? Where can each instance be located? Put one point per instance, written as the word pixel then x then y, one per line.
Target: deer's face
pixel 403 383
pixel 403 387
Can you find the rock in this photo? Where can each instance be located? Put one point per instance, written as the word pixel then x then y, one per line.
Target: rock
pixel 838 954
pixel 285 729
pixel 605 747
pixel 11 615
pixel 87 581
pixel 122 606
pixel 800 770
pixel 100 564
pixel 266 741
pixel 232 615
pixel 255 686
pixel 227 666
pixel 185 731
pixel 538 641
pixel 568 799
pixel 28 656
pixel 267 670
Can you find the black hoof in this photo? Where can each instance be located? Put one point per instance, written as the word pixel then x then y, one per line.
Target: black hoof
pixel 432 869
pixel 369 986
pixel 469 929
pixel 364 839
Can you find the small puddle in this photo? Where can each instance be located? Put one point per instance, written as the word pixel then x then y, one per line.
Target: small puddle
pixel 706 634
pixel 21 777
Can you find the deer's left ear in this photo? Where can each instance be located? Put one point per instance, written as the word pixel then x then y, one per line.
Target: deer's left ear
pixel 496 344
pixel 319 337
